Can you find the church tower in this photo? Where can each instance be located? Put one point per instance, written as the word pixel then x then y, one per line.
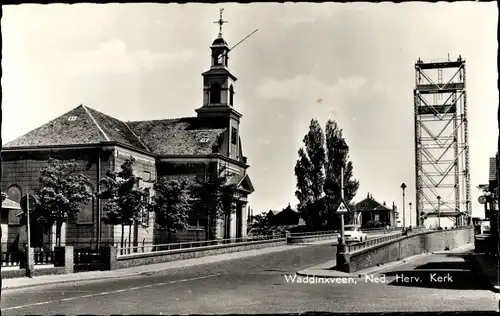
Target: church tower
pixel 218 95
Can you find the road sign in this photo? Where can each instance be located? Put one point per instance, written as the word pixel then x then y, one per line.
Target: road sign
pixel 342 208
pixel 481 199
pixel 32 202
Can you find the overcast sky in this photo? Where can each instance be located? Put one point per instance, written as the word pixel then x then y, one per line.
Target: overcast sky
pixel 350 62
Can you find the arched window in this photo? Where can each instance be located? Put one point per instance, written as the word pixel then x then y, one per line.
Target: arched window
pixel 14 193
pixel 217 59
pixel 86 212
pixel 231 95
pixel 215 91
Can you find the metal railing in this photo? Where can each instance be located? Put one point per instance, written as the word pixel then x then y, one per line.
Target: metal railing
pixel 382 239
pixel 316 233
pixel 194 244
pixel 11 259
pixel 371 242
pixel 17 258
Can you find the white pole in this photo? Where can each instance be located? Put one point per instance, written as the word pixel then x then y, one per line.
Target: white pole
pixel 342 199
pixel 439 212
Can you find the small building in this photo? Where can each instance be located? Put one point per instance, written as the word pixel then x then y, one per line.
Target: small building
pixel 374 213
pixel 271 217
pixel 288 217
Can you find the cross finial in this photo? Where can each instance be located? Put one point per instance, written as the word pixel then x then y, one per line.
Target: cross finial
pixel 221 22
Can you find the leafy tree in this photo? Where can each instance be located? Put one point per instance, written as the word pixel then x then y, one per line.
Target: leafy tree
pixel 260 224
pixel 171 204
pixel 310 175
pixel 126 201
pixel 213 198
pixel 62 191
pixel 319 164
pixel 335 160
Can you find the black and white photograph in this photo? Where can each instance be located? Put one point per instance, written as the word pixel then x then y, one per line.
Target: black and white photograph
pixel 250 158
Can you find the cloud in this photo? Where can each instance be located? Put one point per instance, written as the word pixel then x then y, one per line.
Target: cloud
pixel 301 13
pixel 261 141
pixel 307 89
pixel 115 57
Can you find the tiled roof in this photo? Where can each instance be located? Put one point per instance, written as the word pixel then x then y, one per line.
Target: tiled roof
pixel 84 126
pixel 73 127
pixel 116 130
pixel 180 136
pixel 369 204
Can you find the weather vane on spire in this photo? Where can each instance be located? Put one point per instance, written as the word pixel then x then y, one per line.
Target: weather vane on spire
pixel 221 22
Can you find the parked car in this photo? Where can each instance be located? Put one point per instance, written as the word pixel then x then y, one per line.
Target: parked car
pixel 353 233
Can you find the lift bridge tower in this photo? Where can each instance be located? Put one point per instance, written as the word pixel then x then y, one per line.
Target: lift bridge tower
pixel 441 142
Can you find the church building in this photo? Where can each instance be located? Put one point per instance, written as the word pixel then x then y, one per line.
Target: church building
pixel 174 148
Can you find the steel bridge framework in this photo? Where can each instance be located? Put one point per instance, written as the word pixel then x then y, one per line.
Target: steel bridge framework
pixel 442 141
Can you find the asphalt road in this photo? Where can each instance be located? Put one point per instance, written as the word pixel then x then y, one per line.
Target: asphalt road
pixel 257 285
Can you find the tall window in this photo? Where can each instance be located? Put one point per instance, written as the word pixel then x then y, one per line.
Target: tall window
pixel 86 213
pixel 231 95
pixel 217 59
pixel 14 193
pixel 234 136
pixel 215 91
pixel 144 219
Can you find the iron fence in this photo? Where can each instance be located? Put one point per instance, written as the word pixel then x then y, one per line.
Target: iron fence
pixel 11 259
pixel 18 258
pixel 371 242
pixel 88 260
pixel 316 233
pixel 193 244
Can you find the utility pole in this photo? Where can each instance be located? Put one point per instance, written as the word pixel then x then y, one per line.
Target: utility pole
pixel 28 228
pixel 410 214
pixel 403 186
pixel 439 212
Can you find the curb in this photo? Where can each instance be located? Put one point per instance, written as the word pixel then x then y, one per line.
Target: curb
pixel 13 287
pixel 361 273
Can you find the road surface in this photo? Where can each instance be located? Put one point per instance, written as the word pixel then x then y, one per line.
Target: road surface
pixel 257 285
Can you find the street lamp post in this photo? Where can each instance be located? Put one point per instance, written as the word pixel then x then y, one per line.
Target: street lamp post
pixel 439 212
pixel 343 148
pixel 410 214
pixel 403 186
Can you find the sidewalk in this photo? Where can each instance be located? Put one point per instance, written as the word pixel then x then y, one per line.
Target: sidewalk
pixel 325 270
pixel 146 269
pixel 489 268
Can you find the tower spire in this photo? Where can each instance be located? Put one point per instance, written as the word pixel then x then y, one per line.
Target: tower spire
pixel 221 22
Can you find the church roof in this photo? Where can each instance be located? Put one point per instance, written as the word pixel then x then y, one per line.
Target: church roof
pixel 219 41
pixel 73 127
pixel 80 126
pixel 180 136
pixel 85 126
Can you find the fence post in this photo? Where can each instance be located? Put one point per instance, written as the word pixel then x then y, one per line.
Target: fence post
pixel 30 265
pixel 109 257
pixel 59 256
pixel 69 264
